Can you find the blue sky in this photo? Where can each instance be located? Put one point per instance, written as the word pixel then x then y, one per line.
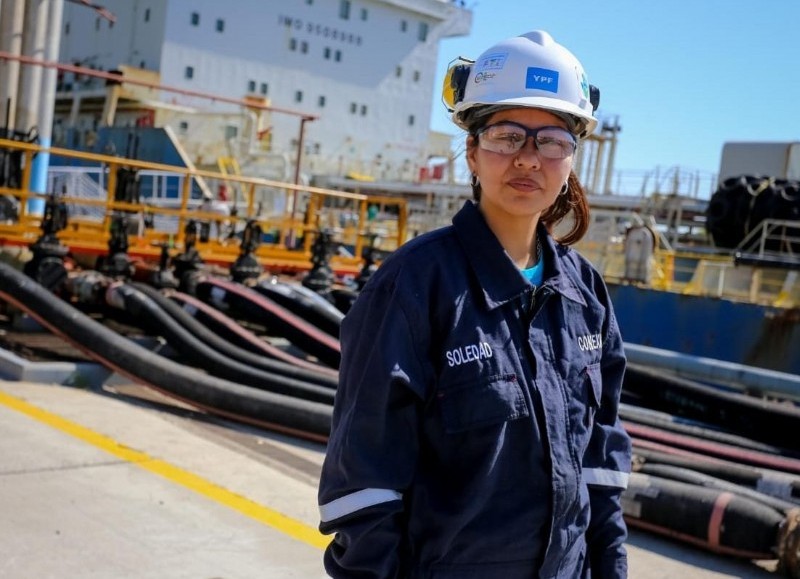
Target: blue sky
pixel 683 76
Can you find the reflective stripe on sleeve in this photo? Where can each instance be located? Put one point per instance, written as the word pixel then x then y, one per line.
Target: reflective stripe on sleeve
pixel 606 478
pixel 355 502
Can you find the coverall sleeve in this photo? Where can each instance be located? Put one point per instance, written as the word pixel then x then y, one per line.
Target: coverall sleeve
pixel 607 466
pixel 373 448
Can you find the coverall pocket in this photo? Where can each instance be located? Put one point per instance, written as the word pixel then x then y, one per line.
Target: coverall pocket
pixel 584 406
pixel 595 389
pixel 468 405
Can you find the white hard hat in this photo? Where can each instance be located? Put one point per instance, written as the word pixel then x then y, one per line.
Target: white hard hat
pixel 531 70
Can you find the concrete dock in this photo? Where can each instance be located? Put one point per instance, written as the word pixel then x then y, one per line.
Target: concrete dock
pixel 119 482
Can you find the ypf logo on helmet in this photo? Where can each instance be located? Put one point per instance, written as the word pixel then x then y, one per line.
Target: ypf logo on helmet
pixel 531 70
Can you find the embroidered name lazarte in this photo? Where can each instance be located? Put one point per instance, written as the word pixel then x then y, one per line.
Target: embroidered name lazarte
pixel 470 353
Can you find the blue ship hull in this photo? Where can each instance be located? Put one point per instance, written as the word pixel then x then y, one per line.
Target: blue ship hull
pixel 743 333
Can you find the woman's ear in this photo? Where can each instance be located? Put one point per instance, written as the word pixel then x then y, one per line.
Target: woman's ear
pixel 469 154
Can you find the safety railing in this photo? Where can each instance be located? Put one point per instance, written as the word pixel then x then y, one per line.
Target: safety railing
pixel 287 213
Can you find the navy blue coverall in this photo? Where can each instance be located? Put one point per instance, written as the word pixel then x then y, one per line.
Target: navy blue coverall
pixel 475 431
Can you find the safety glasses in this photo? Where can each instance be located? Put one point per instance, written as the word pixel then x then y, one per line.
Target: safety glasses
pixel 508 137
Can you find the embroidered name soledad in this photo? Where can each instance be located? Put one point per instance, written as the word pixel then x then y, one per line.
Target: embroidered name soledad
pixel 469 353
pixel 590 342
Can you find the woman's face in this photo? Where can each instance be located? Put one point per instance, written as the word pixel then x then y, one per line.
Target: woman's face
pixel 521 184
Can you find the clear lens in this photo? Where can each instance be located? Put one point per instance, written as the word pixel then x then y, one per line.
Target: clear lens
pixel 509 138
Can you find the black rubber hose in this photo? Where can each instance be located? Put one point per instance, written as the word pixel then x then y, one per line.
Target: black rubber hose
pixel 157 321
pixel 770 482
pixel 230 330
pixel 310 306
pixel 696 478
pixel 664 421
pixel 253 306
pixel 220 345
pixel 714 449
pixel 301 418
pixel 756 418
pixel 719 521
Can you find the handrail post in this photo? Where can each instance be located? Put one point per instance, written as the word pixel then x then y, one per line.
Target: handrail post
pixel 111 186
pixel 186 191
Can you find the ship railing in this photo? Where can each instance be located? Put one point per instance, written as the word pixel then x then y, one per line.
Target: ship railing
pixel 693 270
pixel 773 239
pixel 748 283
pixel 762 269
pixel 171 202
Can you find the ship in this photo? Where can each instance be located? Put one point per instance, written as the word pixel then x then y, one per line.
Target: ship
pixel 141 144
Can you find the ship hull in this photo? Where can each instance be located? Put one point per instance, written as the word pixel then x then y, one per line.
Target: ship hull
pixel 743 333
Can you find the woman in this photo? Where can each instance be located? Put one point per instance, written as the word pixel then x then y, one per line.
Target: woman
pixel 475 432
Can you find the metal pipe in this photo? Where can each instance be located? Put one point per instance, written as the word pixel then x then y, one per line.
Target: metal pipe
pixel 729 374
pixel 612 152
pixel 33 45
pixel 11 25
pixel 117 77
pixel 598 165
pixel 300 144
pixel 49 79
pixel 50 75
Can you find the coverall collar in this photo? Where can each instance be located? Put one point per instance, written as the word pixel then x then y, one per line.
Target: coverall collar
pixel 501 280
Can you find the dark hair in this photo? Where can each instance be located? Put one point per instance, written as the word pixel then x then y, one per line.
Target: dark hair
pixel 572 201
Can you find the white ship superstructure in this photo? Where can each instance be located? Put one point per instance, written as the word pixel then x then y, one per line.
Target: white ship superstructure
pixel 364 68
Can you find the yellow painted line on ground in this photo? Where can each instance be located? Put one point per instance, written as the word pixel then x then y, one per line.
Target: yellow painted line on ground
pixel 286 525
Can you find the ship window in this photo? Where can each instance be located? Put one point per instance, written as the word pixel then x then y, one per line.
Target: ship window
pixel 298 96
pixel 363 110
pixel 364 14
pixel 251 86
pixel 231 132
pixel 416 76
pixel 422 34
pixel 188 72
pixel 309 2
pixel 97 23
pixel 292 44
pixel 147 15
pixel 183 127
pixel 411 120
pixel 403 26
pixel 338 56
pixel 264 88
pixel 195 19
pixel 66 29
pixel 398 72
pixel 327 53
pixel 353 108
pixel 344 9
pixel 142 64
pixel 304 47
pixel 321 101
pixel 220 25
